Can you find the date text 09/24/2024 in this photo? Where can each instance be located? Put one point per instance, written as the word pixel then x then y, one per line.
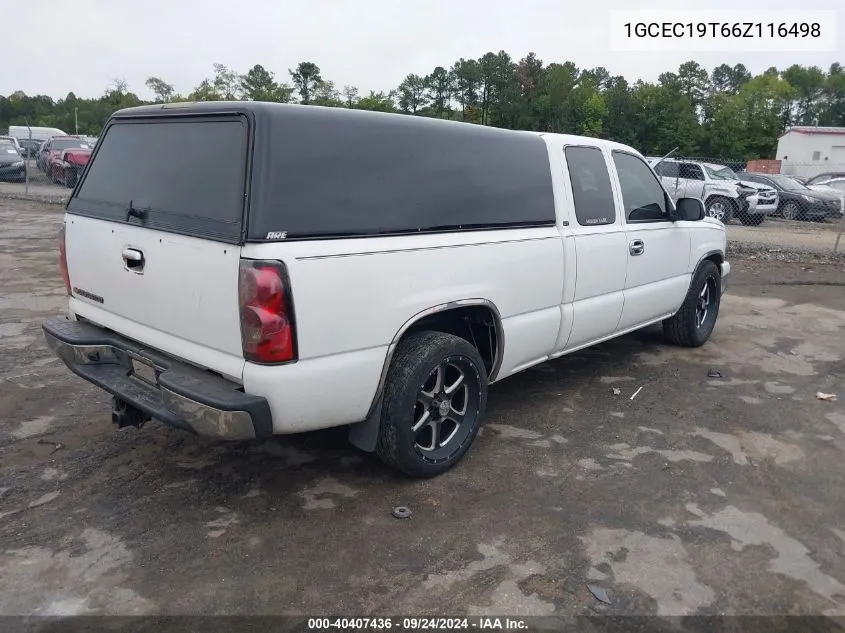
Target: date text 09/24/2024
pixel 417 624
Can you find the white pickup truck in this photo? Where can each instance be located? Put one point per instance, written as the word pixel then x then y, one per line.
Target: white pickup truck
pixel 246 269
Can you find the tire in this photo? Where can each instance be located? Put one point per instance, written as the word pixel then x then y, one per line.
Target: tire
pixel 424 366
pixel 70 178
pixel 790 211
pixel 688 327
pixel 720 208
pixel 752 220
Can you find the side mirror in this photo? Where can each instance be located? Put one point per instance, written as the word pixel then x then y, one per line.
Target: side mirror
pixel 690 209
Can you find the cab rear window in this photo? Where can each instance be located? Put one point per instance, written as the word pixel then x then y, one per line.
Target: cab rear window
pixel 182 175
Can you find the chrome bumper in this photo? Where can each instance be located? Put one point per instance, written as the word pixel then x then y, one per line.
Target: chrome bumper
pixel 172 391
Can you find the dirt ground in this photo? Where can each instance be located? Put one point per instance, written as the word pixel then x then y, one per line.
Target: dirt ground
pixel 624 467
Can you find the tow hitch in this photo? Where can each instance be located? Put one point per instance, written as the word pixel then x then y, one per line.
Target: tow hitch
pixel 124 414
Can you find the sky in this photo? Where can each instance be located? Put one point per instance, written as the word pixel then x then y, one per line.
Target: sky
pixel 81 46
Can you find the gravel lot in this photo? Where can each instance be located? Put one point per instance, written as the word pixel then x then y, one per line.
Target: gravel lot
pixel 698 496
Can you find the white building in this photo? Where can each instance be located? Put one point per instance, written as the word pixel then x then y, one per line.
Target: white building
pixel 807 150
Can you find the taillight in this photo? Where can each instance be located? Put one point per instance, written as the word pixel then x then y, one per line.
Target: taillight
pixel 63 259
pixel 267 323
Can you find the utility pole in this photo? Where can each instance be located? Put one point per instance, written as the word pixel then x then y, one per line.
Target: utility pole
pixel 76 121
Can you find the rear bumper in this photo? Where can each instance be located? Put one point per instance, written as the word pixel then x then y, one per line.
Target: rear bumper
pixel 726 275
pixel 182 396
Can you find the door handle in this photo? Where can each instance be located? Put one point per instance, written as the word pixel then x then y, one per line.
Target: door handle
pixel 636 247
pixel 133 259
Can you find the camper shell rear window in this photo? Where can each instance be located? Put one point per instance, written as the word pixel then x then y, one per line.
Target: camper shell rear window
pixel 185 175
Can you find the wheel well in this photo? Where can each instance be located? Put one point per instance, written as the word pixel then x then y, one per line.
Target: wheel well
pixel 716 258
pixel 477 324
pixel 712 197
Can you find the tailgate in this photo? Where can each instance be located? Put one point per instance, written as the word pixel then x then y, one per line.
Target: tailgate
pixel 152 236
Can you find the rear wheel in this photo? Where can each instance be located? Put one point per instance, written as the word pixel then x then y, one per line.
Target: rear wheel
pixel 434 399
pixel 693 324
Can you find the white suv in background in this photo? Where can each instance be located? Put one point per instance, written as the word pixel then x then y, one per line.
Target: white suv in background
pixel 724 195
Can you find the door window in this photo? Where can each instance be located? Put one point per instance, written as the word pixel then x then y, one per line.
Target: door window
pixel 642 196
pixel 691 171
pixel 591 190
pixel 668 169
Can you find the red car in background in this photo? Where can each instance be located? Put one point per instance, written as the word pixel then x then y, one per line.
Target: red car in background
pixel 65 169
pixel 65 157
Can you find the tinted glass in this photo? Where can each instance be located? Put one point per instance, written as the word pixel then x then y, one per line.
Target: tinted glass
pixel 691 171
pixel 591 189
pixel 328 172
pixel 189 174
pixel 784 182
pixel 668 169
pixel 69 143
pixel 642 196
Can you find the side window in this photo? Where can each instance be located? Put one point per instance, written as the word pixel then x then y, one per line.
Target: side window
pixel 668 169
pixel 642 196
pixel 591 189
pixel 691 171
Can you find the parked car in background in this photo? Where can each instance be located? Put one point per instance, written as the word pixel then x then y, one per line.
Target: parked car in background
pixel 723 195
pixel 820 179
pixel 53 148
pixel 29 147
pixel 797 201
pixel 767 197
pixel 14 142
pixel 66 168
pixel 12 164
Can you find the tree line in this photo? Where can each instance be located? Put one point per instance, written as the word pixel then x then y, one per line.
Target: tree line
pixel 727 112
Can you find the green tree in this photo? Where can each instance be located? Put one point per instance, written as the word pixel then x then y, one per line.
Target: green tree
pixel 325 94
pixel 377 102
pixel 227 83
pixel 162 90
pixel 412 94
pixel 439 88
pixel 808 85
pixel 259 84
pixel 350 96
pixel 467 79
pixel 205 91
pixel 305 79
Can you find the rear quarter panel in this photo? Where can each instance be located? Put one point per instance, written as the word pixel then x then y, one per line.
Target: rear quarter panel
pixel 352 297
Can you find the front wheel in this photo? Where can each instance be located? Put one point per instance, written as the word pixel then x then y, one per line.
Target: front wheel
pixel 693 324
pixel 434 398
pixel 719 208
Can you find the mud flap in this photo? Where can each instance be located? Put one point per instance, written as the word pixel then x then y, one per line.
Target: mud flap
pixel 364 435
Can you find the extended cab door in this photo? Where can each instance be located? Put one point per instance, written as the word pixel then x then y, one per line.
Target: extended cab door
pixel 598 236
pixel 670 177
pixel 658 250
pixel 693 178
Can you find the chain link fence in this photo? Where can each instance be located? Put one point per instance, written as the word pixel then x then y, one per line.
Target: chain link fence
pixel 42 170
pixel 764 202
